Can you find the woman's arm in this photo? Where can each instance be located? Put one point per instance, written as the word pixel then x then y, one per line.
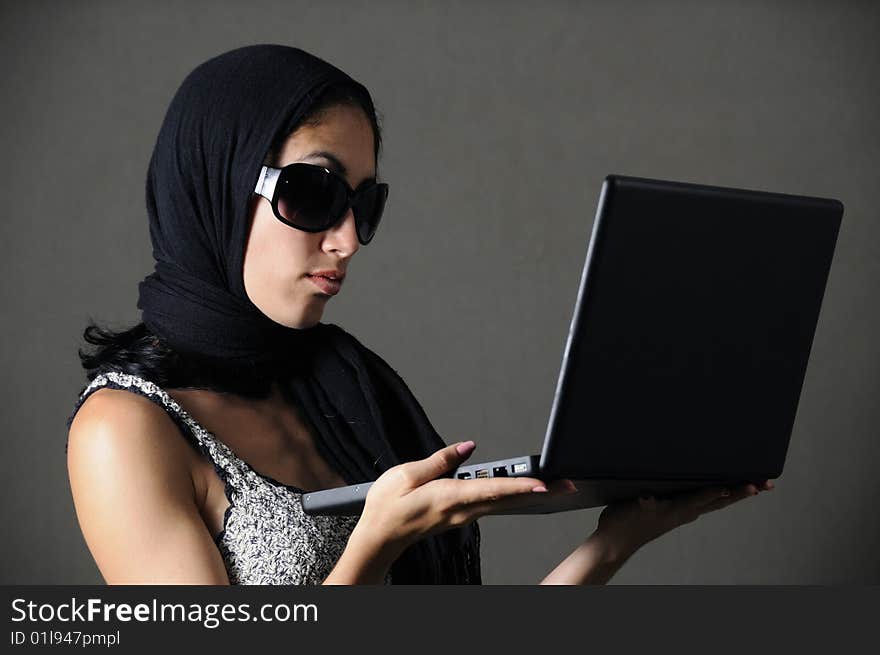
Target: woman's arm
pixel 593 562
pixel 626 526
pixel 364 560
pixel 134 495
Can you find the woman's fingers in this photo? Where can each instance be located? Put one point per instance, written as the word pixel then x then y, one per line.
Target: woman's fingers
pixel 438 463
pixel 703 497
pixel 736 494
pixel 512 501
pixel 694 503
pixel 487 490
pixel 483 496
pixel 682 500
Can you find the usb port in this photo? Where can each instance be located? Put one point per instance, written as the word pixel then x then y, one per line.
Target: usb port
pixel 464 476
pixel 519 468
pixel 483 473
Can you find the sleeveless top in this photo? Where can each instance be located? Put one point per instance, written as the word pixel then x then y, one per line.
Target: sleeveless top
pixel 266 538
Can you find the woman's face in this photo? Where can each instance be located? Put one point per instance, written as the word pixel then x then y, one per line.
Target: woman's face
pixel 278 258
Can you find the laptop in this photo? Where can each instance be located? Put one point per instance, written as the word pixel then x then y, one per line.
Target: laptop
pixel 687 348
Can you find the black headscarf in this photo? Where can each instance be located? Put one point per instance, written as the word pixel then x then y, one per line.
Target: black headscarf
pixel 215 137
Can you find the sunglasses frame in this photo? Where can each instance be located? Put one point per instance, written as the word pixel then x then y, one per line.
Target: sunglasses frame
pixel 267 187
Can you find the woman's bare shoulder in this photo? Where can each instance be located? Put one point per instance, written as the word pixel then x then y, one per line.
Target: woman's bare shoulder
pixel 130 433
pixel 130 475
pixel 115 414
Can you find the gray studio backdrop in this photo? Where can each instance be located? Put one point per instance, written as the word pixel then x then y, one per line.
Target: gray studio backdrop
pixel 501 120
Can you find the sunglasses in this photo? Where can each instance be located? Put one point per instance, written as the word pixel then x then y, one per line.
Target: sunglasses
pixel 313 198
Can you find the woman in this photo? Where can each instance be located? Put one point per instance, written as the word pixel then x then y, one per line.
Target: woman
pixel 261 188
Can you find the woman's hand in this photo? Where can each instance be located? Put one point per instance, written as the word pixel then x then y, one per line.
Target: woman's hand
pixel 626 526
pixel 411 500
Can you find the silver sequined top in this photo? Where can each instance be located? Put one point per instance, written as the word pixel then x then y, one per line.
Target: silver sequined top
pixel 266 536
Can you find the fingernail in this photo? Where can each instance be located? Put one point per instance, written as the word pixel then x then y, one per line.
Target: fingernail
pixel 540 487
pixel 465 448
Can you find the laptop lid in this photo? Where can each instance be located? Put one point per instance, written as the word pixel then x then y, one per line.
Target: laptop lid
pixel 691 332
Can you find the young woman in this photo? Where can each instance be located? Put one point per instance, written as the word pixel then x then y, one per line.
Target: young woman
pixel 261 188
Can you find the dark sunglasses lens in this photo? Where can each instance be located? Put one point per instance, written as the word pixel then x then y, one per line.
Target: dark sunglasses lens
pixel 368 211
pixel 310 198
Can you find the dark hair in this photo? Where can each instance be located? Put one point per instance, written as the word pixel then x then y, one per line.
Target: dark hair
pixel 137 351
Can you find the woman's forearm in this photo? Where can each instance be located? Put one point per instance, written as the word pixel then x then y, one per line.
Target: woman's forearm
pixel 593 562
pixel 364 561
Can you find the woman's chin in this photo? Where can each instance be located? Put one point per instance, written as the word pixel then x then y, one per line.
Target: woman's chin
pixel 303 320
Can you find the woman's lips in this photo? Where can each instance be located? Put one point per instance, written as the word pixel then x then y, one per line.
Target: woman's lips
pixel 328 286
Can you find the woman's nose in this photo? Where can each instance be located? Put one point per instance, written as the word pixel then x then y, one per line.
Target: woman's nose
pixel 343 235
